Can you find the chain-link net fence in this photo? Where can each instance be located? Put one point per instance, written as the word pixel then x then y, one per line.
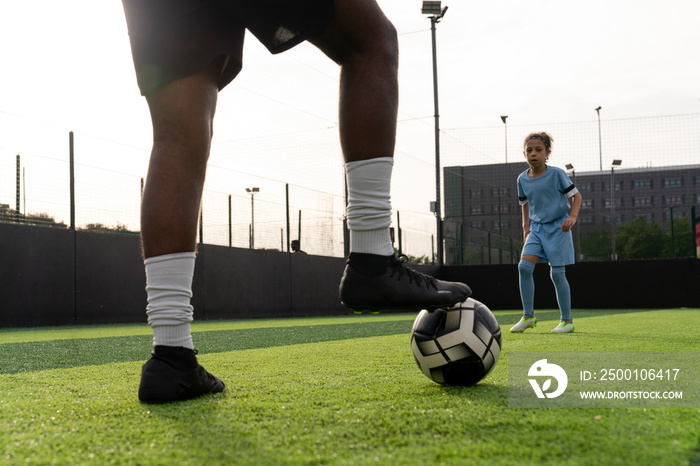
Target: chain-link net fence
pixel 265 202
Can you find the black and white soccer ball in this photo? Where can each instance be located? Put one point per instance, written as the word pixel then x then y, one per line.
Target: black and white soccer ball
pixel 459 346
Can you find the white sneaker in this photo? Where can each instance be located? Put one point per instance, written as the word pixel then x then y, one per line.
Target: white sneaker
pixel 524 324
pixel 563 327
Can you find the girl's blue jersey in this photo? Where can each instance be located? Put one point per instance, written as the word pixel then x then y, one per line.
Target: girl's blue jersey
pixel 547 195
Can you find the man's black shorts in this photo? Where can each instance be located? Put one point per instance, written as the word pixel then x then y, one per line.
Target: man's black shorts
pixel 171 39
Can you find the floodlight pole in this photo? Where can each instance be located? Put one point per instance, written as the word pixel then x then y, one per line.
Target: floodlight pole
pixel 612 216
pixel 503 119
pixel 600 143
pixel 577 236
pixel 252 192
pixel 615 163
pixel 434 19
pixel 500 223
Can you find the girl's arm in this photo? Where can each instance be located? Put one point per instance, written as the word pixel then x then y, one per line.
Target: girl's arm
pixel 526 220
pixel 573 215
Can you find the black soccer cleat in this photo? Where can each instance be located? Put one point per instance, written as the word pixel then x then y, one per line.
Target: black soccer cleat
pixel 379 282
pixel 173 374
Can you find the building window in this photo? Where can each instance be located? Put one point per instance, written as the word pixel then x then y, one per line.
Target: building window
pixel 476 210
pixel 479 225
pixel 504 208
pixel 587 203
pixel 642 184
pixel 642 201
pixel 505 192
pixel 618 202
pixel 678 213
pixel 585 219
pixel 496 227
pixel 606 185
pixel 585 187
pixel 619 219
pixel 673 200
pixel 697 180
pixel 476 194
pixel 697 198
pixel 674 182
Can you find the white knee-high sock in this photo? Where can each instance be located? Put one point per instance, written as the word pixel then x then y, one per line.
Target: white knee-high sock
pixel 369 205
pixel 169 290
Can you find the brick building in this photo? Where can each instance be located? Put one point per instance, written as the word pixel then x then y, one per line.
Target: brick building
pixel 482 213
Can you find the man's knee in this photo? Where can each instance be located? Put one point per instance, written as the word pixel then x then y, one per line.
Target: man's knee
pixel 183 110
pixel 387 40
pixel 359 29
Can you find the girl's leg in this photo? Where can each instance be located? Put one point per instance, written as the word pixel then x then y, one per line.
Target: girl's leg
pixel 561 285
pixel 527 286
pixel 526 267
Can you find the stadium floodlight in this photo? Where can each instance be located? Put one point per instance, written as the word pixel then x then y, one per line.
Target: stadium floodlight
pixel 431 8
pixel 570 167
pixel 252 192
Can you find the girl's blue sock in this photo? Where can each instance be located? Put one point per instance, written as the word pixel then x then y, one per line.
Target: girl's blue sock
pixel 527 286
pixel 561 285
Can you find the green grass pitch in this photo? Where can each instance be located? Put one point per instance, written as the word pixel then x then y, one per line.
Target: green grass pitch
pixel 336 390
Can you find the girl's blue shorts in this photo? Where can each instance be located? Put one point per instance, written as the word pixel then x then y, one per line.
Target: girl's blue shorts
pixel 547 241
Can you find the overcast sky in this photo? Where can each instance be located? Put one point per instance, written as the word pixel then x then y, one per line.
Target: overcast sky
pixel 68 63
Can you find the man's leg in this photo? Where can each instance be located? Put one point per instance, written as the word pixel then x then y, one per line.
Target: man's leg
pixel 364 43
pixel 182 113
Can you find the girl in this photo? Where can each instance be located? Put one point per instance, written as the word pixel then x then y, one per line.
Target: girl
pixel 544 193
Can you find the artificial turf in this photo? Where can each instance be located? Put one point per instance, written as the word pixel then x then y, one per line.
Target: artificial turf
pixel 341 390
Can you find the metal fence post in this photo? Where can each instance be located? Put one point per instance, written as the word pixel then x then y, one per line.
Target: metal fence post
pixel 288 229
pixel 71 168
pixel 17 182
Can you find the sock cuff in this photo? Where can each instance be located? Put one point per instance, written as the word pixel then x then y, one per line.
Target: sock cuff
pixel 369 193
pixel 173 335
pixel 169 289
pixel 350 166
pixel 371 242
pixel 170 257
